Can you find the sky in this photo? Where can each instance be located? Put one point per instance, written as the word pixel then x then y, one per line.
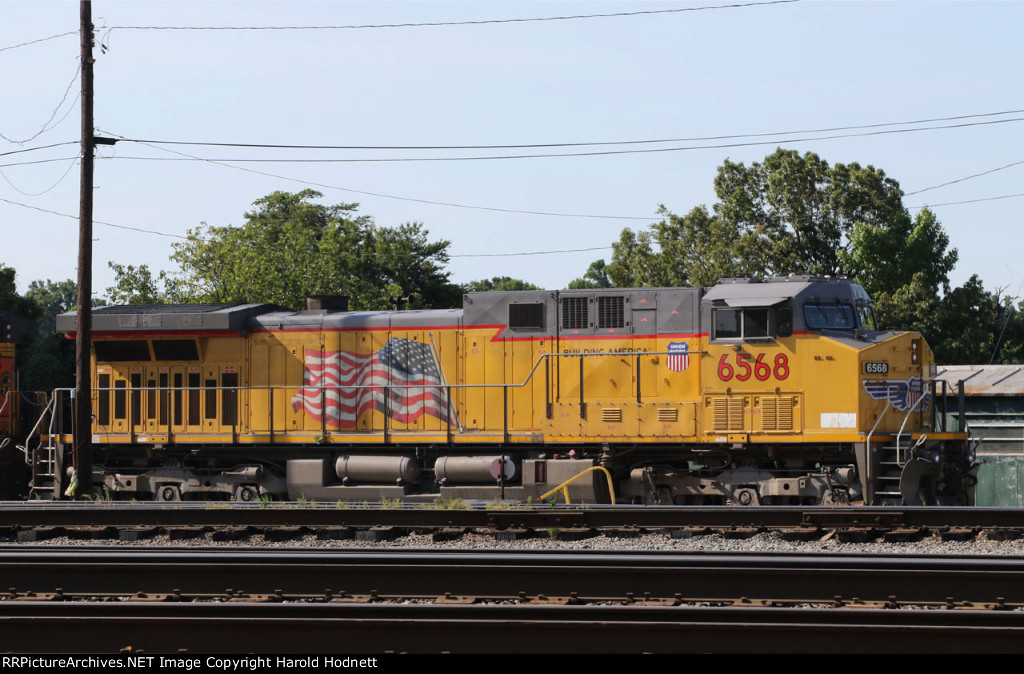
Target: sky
pixel 778 69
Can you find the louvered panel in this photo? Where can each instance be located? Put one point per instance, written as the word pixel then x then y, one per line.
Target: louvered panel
pixel 611 414
pixel 720 414
pixel 769 414
pixel 668 414
pixel 736 407
pixel 777 413
pixel 785 413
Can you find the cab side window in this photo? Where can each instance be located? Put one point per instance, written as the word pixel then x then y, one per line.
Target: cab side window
pixel 749 323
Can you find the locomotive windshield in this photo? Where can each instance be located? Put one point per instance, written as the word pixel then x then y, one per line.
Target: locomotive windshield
pixel 866 317
pixel 829 316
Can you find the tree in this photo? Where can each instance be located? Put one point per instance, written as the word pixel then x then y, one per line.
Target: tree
pixel 49 361
pixel 289 248
pixel 596 276
pixel 136 285
pixel 787 214
pixel 499 283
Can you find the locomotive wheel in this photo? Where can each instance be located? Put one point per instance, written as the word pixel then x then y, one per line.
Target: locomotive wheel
pixel 247 494
pixel 168 492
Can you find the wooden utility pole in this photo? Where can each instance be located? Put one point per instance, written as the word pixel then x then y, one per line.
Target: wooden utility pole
pixel 83 378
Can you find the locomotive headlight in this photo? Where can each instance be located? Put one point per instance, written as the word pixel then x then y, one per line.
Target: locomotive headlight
pixel 915 350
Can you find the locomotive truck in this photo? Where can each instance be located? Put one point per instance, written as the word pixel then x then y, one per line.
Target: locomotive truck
pixel 753 391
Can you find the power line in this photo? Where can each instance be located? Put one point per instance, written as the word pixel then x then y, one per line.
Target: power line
pixel 968 201
pixel 456 23
pixel 64 175
pixel 42 39
pixel 574 154
pixel 536 252
pixel 98 222
pixel 38 161
pixel 46 125
pixel 41 147
pixel 381 195
pixel 960 180
pixel 582 144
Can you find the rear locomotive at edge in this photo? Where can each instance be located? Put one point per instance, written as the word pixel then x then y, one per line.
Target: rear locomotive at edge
pixel 754 391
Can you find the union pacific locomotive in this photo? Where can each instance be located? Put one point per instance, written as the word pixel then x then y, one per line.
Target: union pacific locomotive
pixel 754 391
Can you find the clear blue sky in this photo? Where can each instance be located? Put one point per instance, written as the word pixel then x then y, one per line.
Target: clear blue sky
pixel 772 68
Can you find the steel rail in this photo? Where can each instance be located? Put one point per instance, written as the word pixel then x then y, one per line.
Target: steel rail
pixel 24 515
pixel 341 630
pixel 834 578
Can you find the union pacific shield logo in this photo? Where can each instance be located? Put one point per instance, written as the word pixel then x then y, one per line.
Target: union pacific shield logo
pixel 678 356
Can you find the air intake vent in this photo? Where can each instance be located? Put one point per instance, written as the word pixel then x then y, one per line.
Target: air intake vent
pixel 668 414
pixel 611 414
pixel 526 316
pixel 777 413
pixel 611 312
pixel 574 313
pixel 727 414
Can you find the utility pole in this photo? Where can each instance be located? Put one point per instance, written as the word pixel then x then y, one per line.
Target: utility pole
pixel 82 408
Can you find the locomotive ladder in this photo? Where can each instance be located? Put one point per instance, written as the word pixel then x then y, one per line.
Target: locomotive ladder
pixel 46 469
pixel 890 468
pixel 46 460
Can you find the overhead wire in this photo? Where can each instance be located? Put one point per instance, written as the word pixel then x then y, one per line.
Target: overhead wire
pixel 64 175
pixel 965 178
pixel 37 161
pixel 382 195
pixel 578 144
pixel 480 22
pixel 41 147
pixel 46 125
pixel 575 154
pixel 42 39
pixel 968 201
pixel 98 222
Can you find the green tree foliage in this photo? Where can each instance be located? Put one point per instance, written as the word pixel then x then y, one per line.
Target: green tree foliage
pixel 49 361
pixel 290 247
pixel 790 213
pixel 137 285
pixel 10 300
pixel 596 276
pixel 499 283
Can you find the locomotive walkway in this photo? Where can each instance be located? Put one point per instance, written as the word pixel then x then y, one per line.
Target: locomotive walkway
pixel 103 599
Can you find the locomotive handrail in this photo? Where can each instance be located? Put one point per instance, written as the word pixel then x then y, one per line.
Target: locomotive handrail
pixel 906 418
pixel 564 487
pixel 131 393
pixel 28 438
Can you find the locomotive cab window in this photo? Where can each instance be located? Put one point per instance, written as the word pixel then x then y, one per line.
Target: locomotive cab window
pixel 822 316
pixel 750 323
pixel 866 317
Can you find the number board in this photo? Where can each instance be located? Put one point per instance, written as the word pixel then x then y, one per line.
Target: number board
pixel 876 368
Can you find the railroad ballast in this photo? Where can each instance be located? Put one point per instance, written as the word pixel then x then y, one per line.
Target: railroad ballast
pixel 753 391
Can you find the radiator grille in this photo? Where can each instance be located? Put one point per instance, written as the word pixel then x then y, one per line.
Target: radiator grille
pixel 668 414
pixel 777 413
pixel 727 414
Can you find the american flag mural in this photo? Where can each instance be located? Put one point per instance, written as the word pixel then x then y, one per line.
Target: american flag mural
pixel 332 377
pixel 678 356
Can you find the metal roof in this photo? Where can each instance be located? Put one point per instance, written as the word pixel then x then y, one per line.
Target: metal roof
pixel 985 380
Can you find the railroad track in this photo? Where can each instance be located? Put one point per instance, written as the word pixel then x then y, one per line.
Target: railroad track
pixel 103 599
pixel 39 520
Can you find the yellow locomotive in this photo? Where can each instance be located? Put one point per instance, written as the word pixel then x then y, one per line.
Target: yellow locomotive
pixel 752 391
